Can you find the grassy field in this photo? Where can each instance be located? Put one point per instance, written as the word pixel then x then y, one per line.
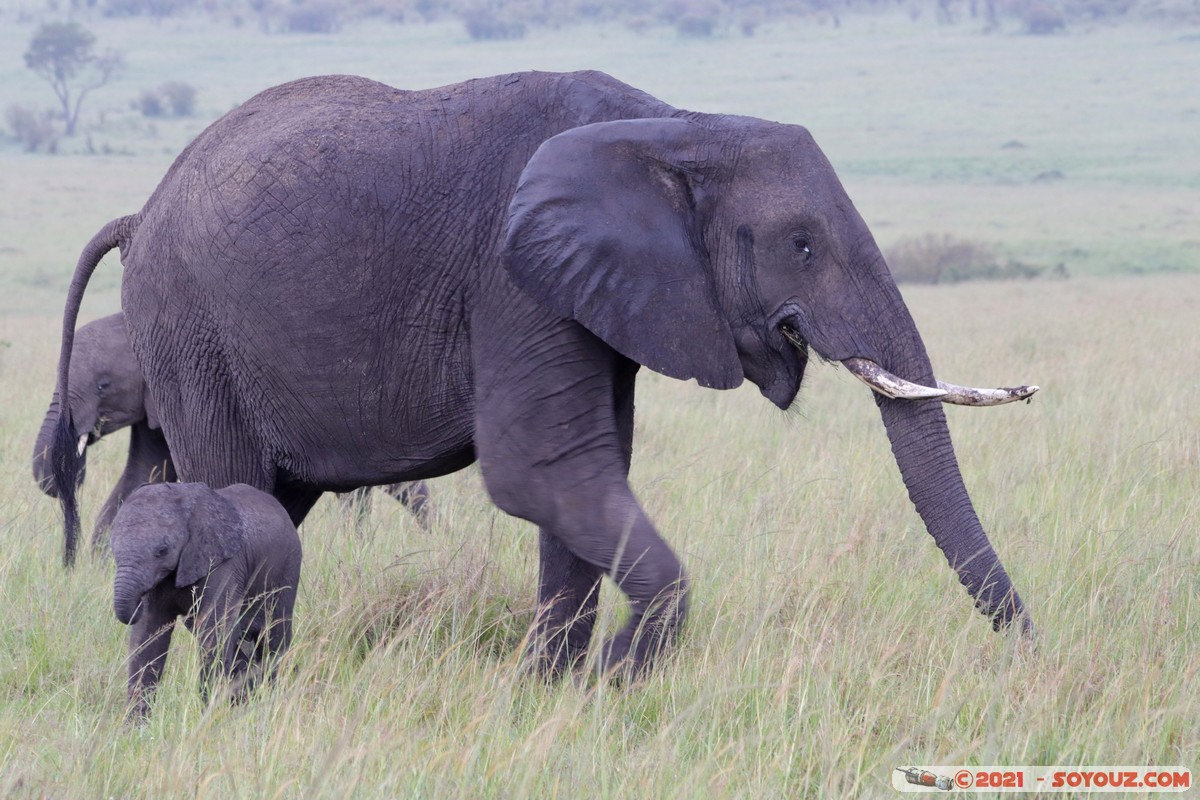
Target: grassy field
pixel 828 642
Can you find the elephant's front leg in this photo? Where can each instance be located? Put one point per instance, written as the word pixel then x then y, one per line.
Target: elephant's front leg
pixel 553 442
pixel 263 642
pixel 149 640
pixel 568 592
pixel 218 630
pixel 568 586
pixel 149 461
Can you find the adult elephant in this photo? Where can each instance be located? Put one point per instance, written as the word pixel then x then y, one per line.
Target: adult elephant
pixel 106 393
pixel 339 283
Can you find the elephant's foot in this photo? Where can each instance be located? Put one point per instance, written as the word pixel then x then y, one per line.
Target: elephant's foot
pixel 137 707
pixel 557 649
pixel 647 636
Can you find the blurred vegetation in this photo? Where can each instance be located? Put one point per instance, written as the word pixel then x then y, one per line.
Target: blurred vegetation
pixel 34 128
pixel 943 258
pixel 509 19
pixel 171 99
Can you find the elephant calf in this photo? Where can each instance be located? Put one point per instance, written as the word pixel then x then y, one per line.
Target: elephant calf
pixel 227 561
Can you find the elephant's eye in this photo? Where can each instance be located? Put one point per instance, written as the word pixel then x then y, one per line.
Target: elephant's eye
pixel 161 551
pixel 802 244
pixel 104 384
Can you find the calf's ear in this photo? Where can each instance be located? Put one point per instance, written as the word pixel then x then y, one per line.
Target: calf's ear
pixel 215 533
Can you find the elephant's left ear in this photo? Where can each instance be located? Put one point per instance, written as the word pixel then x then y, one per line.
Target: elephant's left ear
pixel 215 534
pixel 605 228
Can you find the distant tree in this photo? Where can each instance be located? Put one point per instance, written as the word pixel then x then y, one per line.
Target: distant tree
pixel 61 53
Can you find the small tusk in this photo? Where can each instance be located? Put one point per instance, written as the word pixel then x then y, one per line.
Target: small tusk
pixel 887 384
pixel 82 444
pixel 966 396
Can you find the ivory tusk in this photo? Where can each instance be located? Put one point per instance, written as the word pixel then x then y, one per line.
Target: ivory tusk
pixel 966 396
pixel 887 384
pixel 82 444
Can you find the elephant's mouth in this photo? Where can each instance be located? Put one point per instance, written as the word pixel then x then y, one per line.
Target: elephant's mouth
pixel 794 338
pixel 90 436
pixel 892 386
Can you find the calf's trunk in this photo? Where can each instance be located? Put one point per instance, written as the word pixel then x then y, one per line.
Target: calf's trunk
pixel 43 473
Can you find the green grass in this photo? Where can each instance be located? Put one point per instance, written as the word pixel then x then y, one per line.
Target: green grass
pixel 828 642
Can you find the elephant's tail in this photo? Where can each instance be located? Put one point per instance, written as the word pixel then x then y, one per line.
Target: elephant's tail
pixel 64 450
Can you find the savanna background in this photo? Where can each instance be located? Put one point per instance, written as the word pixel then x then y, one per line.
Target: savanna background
pixel 1032 170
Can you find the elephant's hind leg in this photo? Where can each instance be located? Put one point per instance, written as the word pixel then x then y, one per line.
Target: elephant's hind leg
pixel 210 431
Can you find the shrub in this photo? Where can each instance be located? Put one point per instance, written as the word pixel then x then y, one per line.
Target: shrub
pixel 150 103
pixel 34 129
pixel 311 18
pixel 180 96
pixel 483 23
pixel 942 258
pixel 1040 19
pixel 174 98
pixel 158 9
pixel 1098 9
pixel 695 26
pixel 749 21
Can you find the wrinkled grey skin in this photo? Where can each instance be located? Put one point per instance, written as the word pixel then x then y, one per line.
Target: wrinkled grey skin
pixel 107 393
pixel 341 284
pixel 227 562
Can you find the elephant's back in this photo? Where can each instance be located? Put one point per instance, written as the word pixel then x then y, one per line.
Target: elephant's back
pixel 370 134
pixel 278 113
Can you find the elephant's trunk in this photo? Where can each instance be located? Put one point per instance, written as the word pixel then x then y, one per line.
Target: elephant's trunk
pixel 43 473
pixel 921 445
pixel 41 450
pixel 874 335
pixel 128 594
pixel 920 440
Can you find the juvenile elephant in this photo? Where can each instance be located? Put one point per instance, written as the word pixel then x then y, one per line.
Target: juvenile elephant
pixel 227 561
pixel 106 393
pixel 339 283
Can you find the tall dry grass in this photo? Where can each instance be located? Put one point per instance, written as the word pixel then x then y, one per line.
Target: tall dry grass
pixel 828 640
